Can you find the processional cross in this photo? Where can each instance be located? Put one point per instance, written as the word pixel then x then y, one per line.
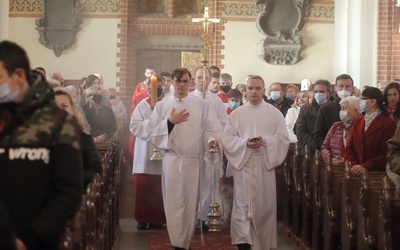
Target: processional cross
pixel 206 21
pixel 215 218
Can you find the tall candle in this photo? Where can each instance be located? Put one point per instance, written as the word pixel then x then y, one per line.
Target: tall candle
pixel 153 85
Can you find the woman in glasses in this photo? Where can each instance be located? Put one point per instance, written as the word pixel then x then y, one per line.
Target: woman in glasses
pixel 366 145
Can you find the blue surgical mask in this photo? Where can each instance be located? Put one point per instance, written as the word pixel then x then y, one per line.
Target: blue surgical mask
pixel 245 101
pixel 363 106
pixel 343 93
pixel 320 98
pixel 275 95
pixel 289 96
pixel 6 95
pixel 234 105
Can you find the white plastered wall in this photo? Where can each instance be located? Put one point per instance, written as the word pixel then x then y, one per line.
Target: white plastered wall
pixel 94 51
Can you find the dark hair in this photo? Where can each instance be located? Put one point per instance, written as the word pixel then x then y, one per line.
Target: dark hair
pixel 234 93
pixel 343 77
pixel 165 74
pixel 375 93
pixel 392 85
pixel 13 56
pixel 215 75
pixel 215 68
pixel 179 72
pixel 323 82
pixel 90 79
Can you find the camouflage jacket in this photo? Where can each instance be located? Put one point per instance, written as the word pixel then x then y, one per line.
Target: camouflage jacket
pixel 40 166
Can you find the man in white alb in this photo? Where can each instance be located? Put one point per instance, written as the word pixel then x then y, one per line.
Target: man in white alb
pixel 255 141
pixel 185 127
pixel 211 171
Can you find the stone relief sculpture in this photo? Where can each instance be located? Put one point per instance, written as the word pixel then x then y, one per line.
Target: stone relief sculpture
pixel 279 21
pixel 59 24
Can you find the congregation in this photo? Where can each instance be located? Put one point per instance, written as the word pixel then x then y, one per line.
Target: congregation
pixel 210 134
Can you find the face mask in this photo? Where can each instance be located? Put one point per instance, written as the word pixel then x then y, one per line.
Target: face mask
pixel 342 114
pixel 245 101
pixel 289 96
pixel 76 101
pixel 343 93
pixel 6 95
pixel 275 95
pixel 97 99
pixel 363 106
pixel 160 91
pixel 112 97
pixel 233 105
pixel 320 98
pixel 69 111
pixel 225 88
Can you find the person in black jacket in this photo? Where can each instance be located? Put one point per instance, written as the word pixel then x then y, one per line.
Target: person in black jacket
pixel 90 154
pixel 40 154
pixel 329 113
pixel 100 118
pixel 278 99
pixel 305 123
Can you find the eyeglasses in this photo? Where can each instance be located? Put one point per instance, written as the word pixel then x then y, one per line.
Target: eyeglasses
pixel 180 81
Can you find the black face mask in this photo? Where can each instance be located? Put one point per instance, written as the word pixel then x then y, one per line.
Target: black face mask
pixel 97 99
pixel 112 97
pixel 225 88
pixel 159 92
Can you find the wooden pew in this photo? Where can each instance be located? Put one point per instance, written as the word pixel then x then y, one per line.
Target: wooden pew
pixel 333 188
pixel 306 200
pixel 297 193
pixel 317 189
pixel 350 200
pixel 389 217
pixel 288 192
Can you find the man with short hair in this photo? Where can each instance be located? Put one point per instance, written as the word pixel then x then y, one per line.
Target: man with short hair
pixel 214 69
pixel 212 162
pixel 185 127
pixel 256 142
pixel 168 88
pixel 304 127
pixel 329 113
pixel 278 99
pixel 40 154
pixel 225 82
pixel 214 84
pixel 140 89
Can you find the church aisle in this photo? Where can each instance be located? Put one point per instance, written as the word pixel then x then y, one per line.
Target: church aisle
pixel 129 238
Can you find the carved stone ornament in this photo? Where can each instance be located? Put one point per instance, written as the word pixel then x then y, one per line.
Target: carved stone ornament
pixel 59 24
pixel 279 21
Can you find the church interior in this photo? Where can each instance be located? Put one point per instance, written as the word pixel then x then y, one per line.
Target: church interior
pixel 320 206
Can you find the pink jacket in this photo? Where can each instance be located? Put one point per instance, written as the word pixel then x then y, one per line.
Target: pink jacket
pixel 333 142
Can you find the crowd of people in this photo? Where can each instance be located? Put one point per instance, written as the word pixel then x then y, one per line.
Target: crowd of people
pixel 207 131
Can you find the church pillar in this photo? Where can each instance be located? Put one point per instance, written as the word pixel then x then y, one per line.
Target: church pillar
pixel 356 40
pixel 4 9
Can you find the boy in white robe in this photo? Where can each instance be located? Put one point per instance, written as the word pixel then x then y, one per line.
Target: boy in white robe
pixel 211 171
pixel 255 141
pixel 180 125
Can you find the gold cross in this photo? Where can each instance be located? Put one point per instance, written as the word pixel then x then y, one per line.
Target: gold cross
pixel 206 21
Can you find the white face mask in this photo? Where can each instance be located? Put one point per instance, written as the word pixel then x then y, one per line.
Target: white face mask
pixel 342 114
pixel 343 93
pixel 6 95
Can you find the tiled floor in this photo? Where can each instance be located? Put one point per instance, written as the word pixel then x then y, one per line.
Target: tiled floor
pixel 131 239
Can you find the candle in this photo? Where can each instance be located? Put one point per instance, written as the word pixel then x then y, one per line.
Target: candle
pixel 153 85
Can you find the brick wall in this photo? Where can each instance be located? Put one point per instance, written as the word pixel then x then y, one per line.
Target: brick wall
pixel 388 41
pixel 133 26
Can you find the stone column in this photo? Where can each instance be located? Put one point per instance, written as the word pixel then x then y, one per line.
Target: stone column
pixel 4 10
pixel 356 40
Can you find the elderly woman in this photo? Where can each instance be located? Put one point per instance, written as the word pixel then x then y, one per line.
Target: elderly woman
pixel 116 105
pixel 335 140
pixel 367 143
